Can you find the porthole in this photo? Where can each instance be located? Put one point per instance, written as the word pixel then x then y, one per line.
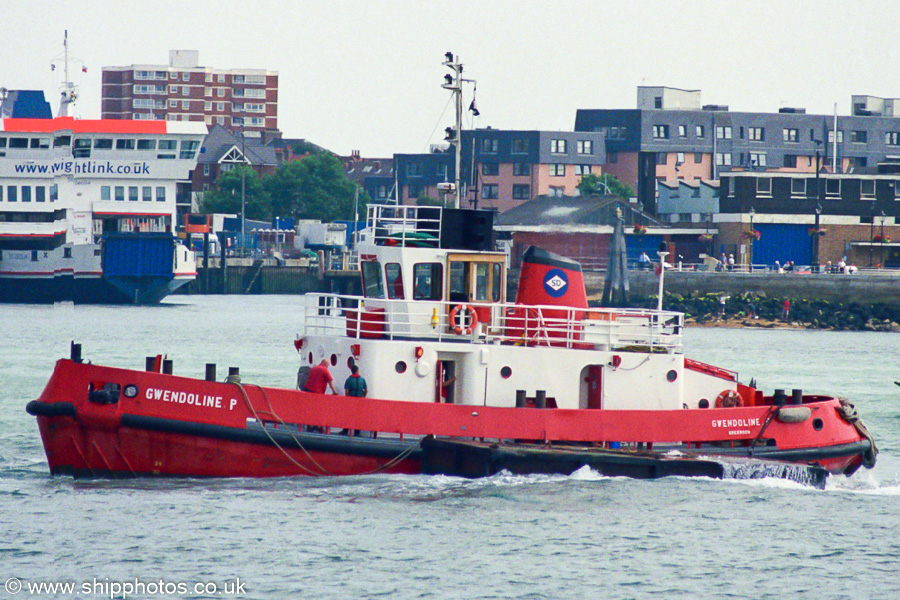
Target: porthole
pixel 818 424
pixel 310 358
pixel 505 372
pixel 672 375
pixel 334 360
pixel 350 362
pixel 704 403
pixel 400 366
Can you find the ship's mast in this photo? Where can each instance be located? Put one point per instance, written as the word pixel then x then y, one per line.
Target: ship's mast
pixel 68 93
pixel 454 135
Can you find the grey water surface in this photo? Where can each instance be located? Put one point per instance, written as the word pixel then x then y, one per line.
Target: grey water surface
pixel 399 537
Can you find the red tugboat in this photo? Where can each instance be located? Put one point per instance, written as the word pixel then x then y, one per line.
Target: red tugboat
pixel 460 381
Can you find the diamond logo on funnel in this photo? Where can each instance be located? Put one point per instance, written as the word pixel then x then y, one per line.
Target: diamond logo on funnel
pixel 555 283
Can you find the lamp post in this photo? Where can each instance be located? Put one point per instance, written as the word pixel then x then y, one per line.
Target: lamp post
pixel 872 235
pixel 818 211
pixel 881 250
pixel 751 212
pixel 243 185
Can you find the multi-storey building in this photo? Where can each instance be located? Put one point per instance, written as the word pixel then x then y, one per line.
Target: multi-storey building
pixel 185 91
pixel 809 219
pixel 502 169
pixel 374 175
pixel 671 136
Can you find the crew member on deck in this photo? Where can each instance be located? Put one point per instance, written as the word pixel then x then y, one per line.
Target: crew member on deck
pixel 356 384
pixel 320 379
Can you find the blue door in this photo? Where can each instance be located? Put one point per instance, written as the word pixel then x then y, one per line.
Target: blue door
pixel 782 242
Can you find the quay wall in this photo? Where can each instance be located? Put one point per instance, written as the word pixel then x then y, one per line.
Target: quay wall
pixel 873 287
pixel 870 287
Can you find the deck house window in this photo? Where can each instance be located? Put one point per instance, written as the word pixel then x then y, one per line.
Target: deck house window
pixel 428 279
pixel 372 282
pixel 394 278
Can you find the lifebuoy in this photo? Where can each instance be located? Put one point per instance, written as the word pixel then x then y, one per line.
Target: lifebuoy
pixel 473 319
pixel 729 399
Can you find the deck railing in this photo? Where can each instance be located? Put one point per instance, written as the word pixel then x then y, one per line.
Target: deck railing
pixel 494 323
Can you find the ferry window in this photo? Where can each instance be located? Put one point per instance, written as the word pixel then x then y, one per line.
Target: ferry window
pixel 371 273
pixel 394 278
pixel 2 142
pixel 41 143
pixel 103 144
pixel 18 142
pixel 61 140
pixel 26 193
pixel 146 144
pixel 459 281
pixel 54 193
pixel 482 281
pixel 1 200
pixel 160 194
pixel 82 149
pixel 125 144
pixel 497 280
pixel 189 149
pixel 167 144
pixel 105 193
pixel 40 193
pixel 428 278
pixel 12 193
pixel 120 193
pixel 132 193
pixel 146 193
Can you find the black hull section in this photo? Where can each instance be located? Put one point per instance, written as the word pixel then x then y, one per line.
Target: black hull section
pixel 94 290
pixel 474 459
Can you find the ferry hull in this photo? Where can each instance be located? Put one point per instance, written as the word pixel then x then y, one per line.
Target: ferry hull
pixel 47 289
pixel 151 423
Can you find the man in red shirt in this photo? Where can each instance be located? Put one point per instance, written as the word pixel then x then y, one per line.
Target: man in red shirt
pixel 320 379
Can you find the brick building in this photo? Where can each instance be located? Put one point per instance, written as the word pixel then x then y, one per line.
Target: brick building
pixel 185 91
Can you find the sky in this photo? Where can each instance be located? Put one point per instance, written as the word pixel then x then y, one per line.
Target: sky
pixel 366 75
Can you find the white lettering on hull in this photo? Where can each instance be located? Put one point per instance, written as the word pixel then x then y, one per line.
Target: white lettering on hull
pixel 188 398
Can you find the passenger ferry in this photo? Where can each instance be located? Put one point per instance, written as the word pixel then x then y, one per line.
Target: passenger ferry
pixel 87 208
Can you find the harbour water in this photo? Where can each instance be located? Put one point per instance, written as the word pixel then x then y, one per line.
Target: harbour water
pixel 398 537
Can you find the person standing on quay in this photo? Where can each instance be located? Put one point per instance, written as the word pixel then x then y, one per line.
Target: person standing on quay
pixel 785 309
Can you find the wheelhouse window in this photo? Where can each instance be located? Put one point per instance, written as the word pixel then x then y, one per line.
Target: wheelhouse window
pixel 459 281
pixel 428 279
pixel 394 278
pixel 372 282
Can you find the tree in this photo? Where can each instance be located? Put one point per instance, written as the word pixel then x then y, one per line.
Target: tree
pixel 226 198
pixel 597 185
pixel 314 188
